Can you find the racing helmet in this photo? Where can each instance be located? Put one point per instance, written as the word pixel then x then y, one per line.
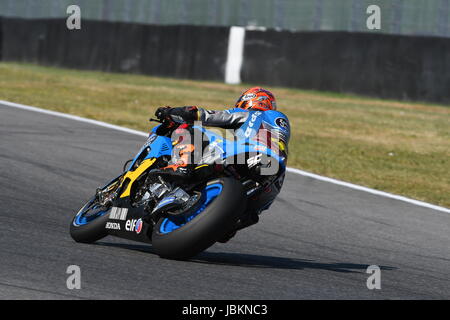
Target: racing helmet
pixel 257 98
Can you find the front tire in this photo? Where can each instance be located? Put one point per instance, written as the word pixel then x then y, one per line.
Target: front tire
pixel 89 223
pixel 89 231
pixel 212 223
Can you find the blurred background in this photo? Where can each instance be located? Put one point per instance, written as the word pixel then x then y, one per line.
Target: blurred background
pixel 369 106
pixel 327 41
pixel 408 17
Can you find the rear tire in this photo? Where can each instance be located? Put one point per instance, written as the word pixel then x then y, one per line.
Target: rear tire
pixel 213 223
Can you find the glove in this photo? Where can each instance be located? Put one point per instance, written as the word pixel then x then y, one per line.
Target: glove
pixel 163 113
pixel 167 124
pixel 187 114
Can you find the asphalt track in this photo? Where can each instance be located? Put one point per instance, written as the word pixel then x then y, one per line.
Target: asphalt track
pixel 316 242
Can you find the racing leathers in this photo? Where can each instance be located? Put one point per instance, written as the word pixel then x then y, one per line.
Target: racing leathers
pixel 228 119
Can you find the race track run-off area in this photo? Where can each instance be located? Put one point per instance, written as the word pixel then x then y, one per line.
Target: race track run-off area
pixel 316 242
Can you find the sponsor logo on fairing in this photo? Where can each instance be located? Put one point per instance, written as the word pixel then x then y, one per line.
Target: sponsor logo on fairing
pixel 118 213
pixel 134 225
pixel 138 227
pixel 253 161
pixel 282 123
pixel 112 226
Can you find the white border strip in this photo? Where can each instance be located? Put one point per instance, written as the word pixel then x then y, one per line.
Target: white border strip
pixel 292 170
pixel 368 190
pixel 72 117
pixel 235 55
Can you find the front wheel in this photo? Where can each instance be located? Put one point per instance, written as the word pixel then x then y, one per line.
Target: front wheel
pixel 223 200
pixel 89 223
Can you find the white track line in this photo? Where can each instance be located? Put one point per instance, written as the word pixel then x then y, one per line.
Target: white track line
pixel 292 170
pixel 365 189
pixel 72 117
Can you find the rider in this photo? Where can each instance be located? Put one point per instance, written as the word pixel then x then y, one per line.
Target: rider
pixel 254 99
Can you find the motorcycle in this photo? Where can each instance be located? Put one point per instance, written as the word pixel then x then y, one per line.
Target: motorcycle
pixel 181 220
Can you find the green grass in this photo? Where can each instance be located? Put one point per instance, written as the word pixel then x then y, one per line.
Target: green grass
pixel 398 147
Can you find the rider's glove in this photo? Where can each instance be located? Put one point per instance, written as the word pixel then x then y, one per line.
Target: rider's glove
pixel 163 113
pixel 187 114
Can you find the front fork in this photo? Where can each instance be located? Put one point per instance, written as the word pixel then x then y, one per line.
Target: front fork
pixel 106 195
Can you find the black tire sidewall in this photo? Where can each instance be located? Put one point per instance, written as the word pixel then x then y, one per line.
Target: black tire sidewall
pixel 206 228
pixel 91 232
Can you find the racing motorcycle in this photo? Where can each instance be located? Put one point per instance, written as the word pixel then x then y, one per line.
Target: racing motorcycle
pixel 181 220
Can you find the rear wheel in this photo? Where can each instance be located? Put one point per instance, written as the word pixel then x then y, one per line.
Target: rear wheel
pixel 181 237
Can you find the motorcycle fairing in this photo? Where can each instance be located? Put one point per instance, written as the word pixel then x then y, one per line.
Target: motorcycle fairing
pixel 155 147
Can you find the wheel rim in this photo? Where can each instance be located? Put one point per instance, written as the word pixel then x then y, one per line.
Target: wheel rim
pixel 89 212
pixel 173 223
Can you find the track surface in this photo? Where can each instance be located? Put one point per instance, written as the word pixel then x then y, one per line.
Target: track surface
pixel 315 243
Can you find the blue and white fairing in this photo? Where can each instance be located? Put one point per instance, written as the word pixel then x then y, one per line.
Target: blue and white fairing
pixel 155 147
